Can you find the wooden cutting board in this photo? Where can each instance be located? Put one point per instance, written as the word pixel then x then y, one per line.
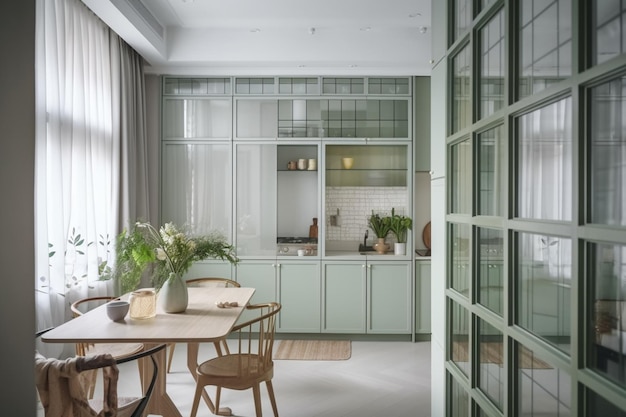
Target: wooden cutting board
pixel 426 235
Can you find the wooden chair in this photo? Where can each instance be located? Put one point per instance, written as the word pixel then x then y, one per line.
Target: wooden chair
pixel 117 350
pixel 249 366
pixel 204 282
pixel 125 406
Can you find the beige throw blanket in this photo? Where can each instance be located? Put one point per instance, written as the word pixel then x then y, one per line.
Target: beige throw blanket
pixel 60 385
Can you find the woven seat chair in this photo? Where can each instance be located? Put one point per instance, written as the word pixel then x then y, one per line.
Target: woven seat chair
pixel 117 350
pixel 246 367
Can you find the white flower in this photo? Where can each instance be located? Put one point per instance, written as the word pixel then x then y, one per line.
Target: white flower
pixel 160 254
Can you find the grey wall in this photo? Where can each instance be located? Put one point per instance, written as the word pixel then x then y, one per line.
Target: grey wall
pixel 17 161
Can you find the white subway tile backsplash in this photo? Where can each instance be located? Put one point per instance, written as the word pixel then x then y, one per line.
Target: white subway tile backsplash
pixel 356 204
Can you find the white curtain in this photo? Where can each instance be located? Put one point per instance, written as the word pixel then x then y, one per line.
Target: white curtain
pixel 90 154
pixel 546 185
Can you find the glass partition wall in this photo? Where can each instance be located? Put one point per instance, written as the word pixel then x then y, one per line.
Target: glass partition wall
pixel 536 208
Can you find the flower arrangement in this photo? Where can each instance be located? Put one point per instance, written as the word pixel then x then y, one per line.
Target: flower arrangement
pixel 380 225
pixel 399 226
pixel 168 250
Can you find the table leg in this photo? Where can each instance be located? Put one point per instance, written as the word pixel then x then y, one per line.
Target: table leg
pixel 160 402
pixel 192 364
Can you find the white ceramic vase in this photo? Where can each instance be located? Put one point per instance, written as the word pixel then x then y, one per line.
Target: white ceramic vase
pixel 399 248
pixel 173 296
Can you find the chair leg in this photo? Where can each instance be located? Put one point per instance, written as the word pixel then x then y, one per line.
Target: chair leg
pixel 218 395
pixel 170 356
pixel 256 391
pixel 196 400
pixel 218 348
pixel 270 391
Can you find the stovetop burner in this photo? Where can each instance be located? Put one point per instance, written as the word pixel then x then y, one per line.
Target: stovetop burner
pixel 305 240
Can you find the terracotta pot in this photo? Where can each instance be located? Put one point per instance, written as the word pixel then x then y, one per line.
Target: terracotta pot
pixel 381 247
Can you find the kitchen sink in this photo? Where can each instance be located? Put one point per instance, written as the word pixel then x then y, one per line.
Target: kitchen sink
pixel 363 248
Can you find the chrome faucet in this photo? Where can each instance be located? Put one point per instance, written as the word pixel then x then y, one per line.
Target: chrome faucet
pixel 367 232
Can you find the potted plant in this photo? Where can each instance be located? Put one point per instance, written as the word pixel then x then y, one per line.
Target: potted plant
pixel 170 252
pixel 381 226
pixel 399 226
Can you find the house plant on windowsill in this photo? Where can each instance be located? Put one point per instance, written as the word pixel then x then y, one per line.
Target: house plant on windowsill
pixel 399 226
pixel 171 253
pixel 381 226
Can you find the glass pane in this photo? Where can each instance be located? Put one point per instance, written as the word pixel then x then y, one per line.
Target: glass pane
pixel 196 190
pixel 256 200
pixel 544 173
pixel 491 271
pixel 257 118
pixel 492 65
pixel 599 406
pixel 491 376
pixel 461 182
pixel 459 400
pixel 543 390
pixel 196 118
pixel 608 153
pixel 545 44
pixel 461 90
pixel 609 29
pixel 459 325
pixel 543 280
pixel 491 175
pixel 462 16
pixel 460 273
pixel 607 326
pixel 486 3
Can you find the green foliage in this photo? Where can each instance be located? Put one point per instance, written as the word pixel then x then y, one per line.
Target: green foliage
pixel 399 226
pixel 133 257
pixel 381 225
pixel 165 250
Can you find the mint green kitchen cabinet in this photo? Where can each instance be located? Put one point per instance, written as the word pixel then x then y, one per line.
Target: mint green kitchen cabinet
pixel 210 268
pixel 260 275
pixel 366 297
pixel 389 297
pixel 299 293
pixel 491 282
pixel 343 293
pixel 422 296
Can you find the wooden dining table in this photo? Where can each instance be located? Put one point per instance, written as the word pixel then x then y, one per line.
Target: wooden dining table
pixel 203 321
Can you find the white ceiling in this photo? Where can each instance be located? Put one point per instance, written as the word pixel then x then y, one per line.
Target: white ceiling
pixel 275 37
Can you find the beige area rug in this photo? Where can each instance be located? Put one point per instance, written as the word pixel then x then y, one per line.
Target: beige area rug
pixel 314 350
pixel 492 353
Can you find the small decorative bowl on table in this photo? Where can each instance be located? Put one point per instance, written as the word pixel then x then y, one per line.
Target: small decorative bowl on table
pixel 117 310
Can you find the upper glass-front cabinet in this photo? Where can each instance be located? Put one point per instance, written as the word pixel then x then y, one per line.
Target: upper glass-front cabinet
pixel 277 195
pixel 197 190
pixel 376 108
pixel 197 118
pixel 197 108
pixel 376 118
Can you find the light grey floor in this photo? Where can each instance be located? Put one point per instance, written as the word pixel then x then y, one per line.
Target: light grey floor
pixel 390 379
pixel 381 379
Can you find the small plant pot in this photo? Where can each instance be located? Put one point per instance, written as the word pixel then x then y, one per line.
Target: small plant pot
pixel 381 247
pixel 399 248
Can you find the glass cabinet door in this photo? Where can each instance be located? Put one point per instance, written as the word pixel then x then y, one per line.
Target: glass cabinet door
pixel 196 118
pixel 256 199
pixel 257 118
pixel 197 189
